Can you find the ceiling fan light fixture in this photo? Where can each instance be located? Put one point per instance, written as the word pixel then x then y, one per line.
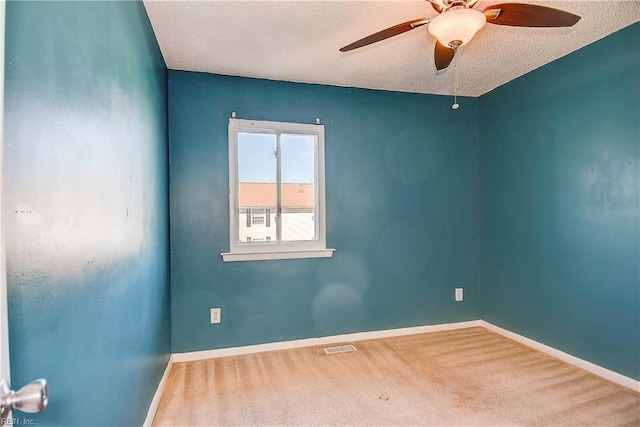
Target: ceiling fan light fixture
pixel 457 25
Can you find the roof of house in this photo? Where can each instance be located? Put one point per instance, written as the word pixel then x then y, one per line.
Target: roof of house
pixel 262 194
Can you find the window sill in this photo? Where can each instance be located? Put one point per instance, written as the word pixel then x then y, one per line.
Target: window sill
pixel 262 256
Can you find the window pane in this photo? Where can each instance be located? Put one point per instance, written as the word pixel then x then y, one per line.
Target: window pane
pixel 298 180
pixel 256 187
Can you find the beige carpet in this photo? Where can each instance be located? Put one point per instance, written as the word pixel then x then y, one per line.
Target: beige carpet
pixel 462 377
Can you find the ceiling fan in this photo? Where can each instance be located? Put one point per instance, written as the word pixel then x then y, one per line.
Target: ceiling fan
pixel 458 22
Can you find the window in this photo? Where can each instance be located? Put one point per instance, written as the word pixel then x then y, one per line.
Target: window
pixel 257 218
pixel 276 191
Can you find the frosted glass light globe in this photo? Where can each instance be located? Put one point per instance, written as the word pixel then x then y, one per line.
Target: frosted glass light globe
pixel 457 24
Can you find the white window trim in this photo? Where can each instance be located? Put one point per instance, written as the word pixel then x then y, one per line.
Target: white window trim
pixel 239 251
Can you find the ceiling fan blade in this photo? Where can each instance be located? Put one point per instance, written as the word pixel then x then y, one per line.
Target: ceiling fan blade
pixel 471 3
pixel 437 5
pixel 385 34
pixel 443 56
pixel 529 15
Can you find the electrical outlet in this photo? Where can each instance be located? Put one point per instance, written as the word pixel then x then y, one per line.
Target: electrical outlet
pixel 215 315
pixel 459 295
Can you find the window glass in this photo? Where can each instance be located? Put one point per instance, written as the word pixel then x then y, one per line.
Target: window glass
pixel 257 192
pixel 298 187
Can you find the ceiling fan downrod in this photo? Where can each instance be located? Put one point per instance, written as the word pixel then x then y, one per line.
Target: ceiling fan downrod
pixel 444 5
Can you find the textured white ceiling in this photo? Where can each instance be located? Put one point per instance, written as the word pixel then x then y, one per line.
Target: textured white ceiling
pixel 298 41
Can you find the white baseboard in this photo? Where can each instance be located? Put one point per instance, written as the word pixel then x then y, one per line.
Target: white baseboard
pixel 310 342
pixel 153 407
pixel 566 357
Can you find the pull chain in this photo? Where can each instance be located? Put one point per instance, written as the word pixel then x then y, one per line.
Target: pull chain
pixel 456 89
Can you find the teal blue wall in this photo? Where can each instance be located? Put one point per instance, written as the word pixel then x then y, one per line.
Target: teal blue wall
pixel 560 203
pixel 402 176
pixel 86 208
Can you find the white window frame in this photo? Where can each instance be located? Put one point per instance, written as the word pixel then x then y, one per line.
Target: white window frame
pixel 269 250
